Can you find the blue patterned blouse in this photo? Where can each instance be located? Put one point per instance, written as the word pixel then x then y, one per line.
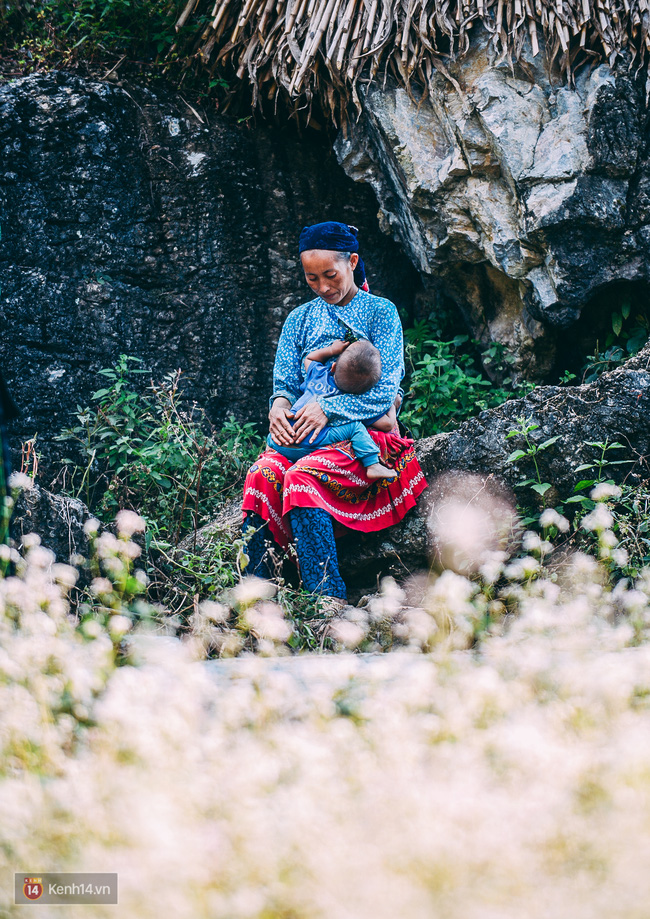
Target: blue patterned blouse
pixel 317 324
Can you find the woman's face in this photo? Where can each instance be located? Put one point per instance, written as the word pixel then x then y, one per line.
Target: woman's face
pixel 329 276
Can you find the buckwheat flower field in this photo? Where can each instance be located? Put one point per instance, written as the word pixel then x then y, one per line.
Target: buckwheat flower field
pixel 498 779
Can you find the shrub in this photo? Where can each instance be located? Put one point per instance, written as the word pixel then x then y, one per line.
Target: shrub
pixel 152 453
pixel 446 385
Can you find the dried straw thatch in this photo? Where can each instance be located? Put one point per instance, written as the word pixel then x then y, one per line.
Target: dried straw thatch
pixel 324 47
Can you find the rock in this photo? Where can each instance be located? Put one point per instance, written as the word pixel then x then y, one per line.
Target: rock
pixel 57 519
pixel 522 201
pixel 134 224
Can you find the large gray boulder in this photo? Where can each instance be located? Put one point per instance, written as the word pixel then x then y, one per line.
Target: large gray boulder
pixel 521 198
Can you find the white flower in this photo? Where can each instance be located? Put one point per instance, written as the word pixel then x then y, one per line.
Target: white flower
pixel 608 538
pixel 101 586
pixel 108 544
pixel 65 575
pixel 599 519
pixel 119 625
pixel 31 539
pixel 41 557
pixel 267 621
pixel 550 517
pixel 346 633
pixel 128 523
pixel 604 490
pixel 20 481
pixel 132 550
pixel 215 612
pixel 91 526
pixel 251 589
pixel 91 628
pixel 532 542
pixel 522 568
pixel 141 576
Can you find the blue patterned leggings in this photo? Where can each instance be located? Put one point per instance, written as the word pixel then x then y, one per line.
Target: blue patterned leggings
pixel 313 538
pixel 5 469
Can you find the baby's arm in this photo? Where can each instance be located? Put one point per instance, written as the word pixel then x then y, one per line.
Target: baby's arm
pixel 388 421
pixel 324 354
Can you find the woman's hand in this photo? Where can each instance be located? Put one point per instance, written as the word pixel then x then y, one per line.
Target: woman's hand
pixel 279 427
pixel 310 419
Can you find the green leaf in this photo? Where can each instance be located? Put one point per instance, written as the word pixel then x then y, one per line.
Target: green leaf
pixel 626 307
pixel 549 442
pixel 541 489
pixel 617 323
pixel 517 454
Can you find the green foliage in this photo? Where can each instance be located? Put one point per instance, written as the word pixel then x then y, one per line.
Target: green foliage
pixel 83 28
pixel 629 506
pixel 598 468
pixel 446 384
pixel 148 452
pixel 530 451
pixel 629 334
pixel 180 575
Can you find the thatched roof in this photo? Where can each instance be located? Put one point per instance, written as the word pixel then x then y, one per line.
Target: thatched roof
pixel 324 47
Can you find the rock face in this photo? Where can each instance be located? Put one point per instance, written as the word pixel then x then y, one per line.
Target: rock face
pixel 521 198
pixel 57 519
pixel 133 223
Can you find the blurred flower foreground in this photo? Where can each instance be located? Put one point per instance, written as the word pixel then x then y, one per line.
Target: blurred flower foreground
pixel 495 765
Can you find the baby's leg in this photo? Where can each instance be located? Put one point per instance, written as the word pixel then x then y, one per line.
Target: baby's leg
pixel 363 447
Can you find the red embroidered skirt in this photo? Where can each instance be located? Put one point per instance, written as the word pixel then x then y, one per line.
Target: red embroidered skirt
pixel 334 479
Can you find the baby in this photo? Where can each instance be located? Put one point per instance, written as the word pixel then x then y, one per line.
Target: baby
pixel 356 371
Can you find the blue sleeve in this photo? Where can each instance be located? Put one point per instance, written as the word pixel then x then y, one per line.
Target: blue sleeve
pixel 386 336
pixel 287 370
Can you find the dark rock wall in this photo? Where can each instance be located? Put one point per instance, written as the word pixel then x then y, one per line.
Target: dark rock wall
pixel 133 224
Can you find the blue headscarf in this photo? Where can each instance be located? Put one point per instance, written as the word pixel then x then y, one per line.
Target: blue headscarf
pixel 335 237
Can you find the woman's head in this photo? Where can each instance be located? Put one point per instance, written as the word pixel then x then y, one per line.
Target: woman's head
pixel 330 274
pixel 358 368
pixel 329 253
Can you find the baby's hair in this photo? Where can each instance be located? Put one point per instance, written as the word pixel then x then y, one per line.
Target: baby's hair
pixel 358 368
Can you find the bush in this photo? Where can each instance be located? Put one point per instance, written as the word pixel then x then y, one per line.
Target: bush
pixel 446 385
pixel 155 455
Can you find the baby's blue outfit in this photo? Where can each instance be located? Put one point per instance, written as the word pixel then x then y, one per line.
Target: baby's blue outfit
pixel 318 382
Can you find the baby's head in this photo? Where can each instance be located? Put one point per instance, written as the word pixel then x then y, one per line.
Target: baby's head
pixel 358 368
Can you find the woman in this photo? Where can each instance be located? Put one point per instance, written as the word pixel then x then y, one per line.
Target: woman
pixel 8 412
pixel 300 503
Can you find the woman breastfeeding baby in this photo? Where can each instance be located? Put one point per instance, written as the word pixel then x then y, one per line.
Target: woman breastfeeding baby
pixel 334 454
pixel 357 370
